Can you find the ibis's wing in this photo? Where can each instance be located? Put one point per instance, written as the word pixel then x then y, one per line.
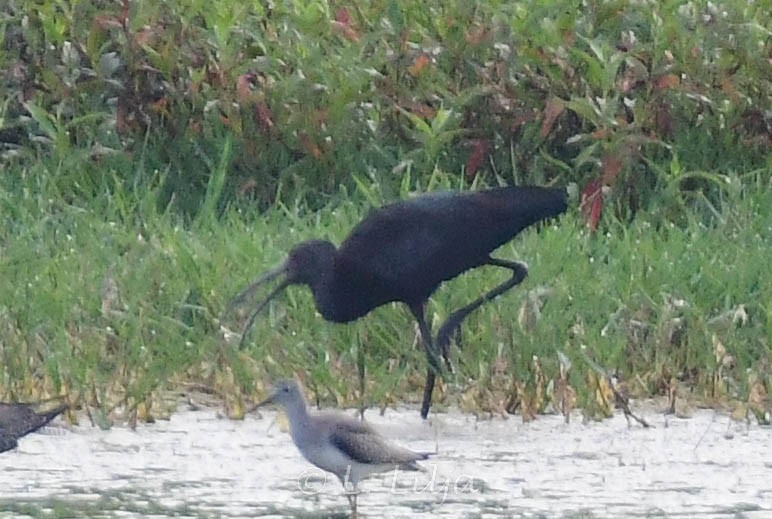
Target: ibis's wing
pixel 432 238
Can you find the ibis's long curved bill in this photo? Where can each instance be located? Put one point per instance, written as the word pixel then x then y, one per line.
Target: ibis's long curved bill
pixel 247 292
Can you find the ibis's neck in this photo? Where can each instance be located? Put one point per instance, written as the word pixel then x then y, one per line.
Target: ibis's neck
pixel 326 292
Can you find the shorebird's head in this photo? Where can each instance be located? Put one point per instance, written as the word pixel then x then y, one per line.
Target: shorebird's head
pixel 286 393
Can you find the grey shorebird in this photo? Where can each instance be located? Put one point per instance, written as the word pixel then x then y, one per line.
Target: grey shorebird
pixel 17 420
pixel 349 448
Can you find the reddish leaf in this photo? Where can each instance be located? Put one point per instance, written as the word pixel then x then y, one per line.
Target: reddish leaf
pixel 628 83
pixel 123 122
pixel 320 117
pixel 633 77
pixel 104 21
pixel 344 26
pixel 612 165
pixel 215 76
pixel 667 81
pixel 522 119
pixel 146 36
pixel 420 63
pixel 729 88
pixel 309 145
pixel 248 97
pixel 161 106
pixel 423 110
pixel 592 203
pixel 663 121
pixel 476 35
pixel 343 16
pixel 244 88
pixel 552 111
pixel 347 32
pixel 125 14
pixel 264 116
pixel 479 149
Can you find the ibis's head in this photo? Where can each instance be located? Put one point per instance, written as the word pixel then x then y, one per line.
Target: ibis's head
pixel 309 261
pixel 307 264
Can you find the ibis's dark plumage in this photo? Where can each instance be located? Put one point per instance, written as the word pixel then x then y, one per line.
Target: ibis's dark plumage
pixel 404 250
pixel 17 420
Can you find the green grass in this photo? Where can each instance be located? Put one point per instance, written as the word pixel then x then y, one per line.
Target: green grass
pixel 312 93
pixel 157 156
pixel 614 293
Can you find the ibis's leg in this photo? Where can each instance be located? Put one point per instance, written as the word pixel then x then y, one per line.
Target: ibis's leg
pixel 449 330
pixel 361 370
pixel 432 358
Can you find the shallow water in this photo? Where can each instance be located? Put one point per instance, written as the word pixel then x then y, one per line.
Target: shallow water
pixel 199 465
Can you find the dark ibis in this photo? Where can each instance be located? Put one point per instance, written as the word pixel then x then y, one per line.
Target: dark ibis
pixel 17 420
pixel 404 250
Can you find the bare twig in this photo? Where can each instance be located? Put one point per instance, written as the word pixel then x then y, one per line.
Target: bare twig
pixel 622 400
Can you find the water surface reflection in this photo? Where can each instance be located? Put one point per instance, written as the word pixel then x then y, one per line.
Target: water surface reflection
pixel 199 465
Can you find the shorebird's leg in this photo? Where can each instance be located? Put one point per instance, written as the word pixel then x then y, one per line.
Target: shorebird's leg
pixel 351 495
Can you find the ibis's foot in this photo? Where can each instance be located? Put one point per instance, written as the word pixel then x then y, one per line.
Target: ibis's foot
pixel 428 390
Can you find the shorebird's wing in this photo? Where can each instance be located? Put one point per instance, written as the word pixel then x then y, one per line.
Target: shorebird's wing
pixel 363 444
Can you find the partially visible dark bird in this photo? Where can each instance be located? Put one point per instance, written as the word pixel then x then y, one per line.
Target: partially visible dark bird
pixel 17 420
pixel 404 250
